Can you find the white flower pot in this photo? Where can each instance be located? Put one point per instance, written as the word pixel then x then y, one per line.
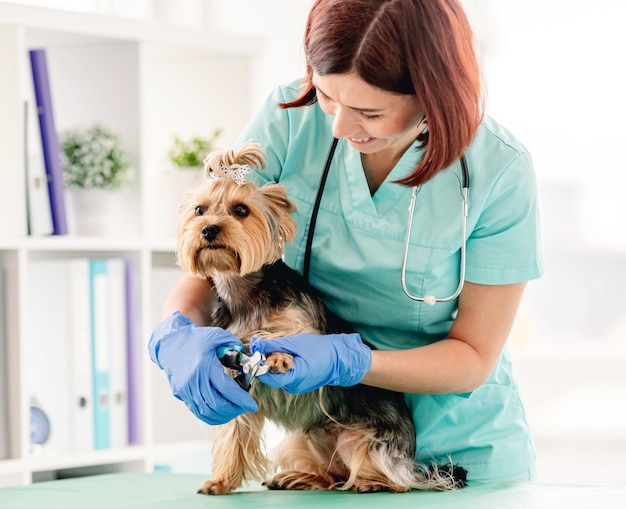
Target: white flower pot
pixel 93 212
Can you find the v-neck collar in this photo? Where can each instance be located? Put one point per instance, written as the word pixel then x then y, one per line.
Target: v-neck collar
pixel 388 191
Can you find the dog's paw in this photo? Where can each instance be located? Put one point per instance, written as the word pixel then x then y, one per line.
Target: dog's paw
pixel 459 474
pixel 453 476
pixel 279 362
pixel 295 480
pixel 214 488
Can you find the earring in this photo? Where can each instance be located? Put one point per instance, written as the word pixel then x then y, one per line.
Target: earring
pixel 422 125
pixel 422 135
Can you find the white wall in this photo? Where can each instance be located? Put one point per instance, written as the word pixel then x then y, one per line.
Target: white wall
pixel 280 22
pixel 555 76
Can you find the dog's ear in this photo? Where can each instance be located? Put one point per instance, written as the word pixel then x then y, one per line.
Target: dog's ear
pixel 282 207
pixel 276 194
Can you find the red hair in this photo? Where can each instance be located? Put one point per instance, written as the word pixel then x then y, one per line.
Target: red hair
pixel 418 47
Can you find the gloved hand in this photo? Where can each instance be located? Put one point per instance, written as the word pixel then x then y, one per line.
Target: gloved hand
pixel 187 354
pixel 336 359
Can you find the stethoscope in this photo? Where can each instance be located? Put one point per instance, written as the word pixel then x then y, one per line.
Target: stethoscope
pixel 431 299
pixel 426 299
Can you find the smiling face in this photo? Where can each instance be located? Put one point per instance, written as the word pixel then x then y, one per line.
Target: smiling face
pixel 370 119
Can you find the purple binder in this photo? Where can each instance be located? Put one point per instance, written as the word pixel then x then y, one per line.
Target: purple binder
pixel 133 361
pixel 49 140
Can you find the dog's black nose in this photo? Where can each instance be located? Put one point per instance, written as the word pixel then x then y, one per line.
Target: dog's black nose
pixel 210 231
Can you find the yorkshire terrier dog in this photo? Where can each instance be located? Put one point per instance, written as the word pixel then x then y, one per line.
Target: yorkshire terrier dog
pixel 347 438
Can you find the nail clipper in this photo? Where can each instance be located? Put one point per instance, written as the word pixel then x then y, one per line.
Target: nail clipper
pixel 247 366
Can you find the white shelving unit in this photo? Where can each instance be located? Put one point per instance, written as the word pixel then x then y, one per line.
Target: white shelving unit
pixel 147 81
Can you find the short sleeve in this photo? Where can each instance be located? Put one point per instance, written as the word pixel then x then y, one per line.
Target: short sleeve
pixel 270 127
pixel 505 244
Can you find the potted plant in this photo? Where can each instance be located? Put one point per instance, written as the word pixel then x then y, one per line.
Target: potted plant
pixel 94 158
pixel 190 153
pixel 182 174
pixel 95 164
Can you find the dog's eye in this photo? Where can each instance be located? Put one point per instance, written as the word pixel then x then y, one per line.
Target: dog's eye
pixel 200 210
pixel 241 210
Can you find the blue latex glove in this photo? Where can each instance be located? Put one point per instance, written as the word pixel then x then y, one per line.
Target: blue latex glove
pixel 336 359
pixel 187 354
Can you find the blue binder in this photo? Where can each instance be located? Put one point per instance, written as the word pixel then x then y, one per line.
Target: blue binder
pixel 101 345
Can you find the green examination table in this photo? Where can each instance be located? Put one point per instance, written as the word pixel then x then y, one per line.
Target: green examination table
pixel 177 491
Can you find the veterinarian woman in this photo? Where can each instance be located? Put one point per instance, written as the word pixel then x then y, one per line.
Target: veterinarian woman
pixel 397 83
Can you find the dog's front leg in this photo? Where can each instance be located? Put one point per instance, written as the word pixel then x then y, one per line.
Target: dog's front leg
pixel 237 455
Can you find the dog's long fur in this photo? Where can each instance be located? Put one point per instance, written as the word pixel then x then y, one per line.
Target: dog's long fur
pixel 354 438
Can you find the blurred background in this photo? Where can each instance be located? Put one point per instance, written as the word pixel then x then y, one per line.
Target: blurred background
pixel 554 74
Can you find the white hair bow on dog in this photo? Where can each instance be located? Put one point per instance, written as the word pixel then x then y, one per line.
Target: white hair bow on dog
pixel 236 172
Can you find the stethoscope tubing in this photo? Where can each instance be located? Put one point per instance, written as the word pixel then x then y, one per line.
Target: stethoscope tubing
pixel 431 299
pixel 427 299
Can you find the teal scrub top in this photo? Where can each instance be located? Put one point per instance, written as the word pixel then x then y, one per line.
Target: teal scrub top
pixel 357 254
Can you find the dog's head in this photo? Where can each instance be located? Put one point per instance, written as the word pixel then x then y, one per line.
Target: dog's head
pixel 233 226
